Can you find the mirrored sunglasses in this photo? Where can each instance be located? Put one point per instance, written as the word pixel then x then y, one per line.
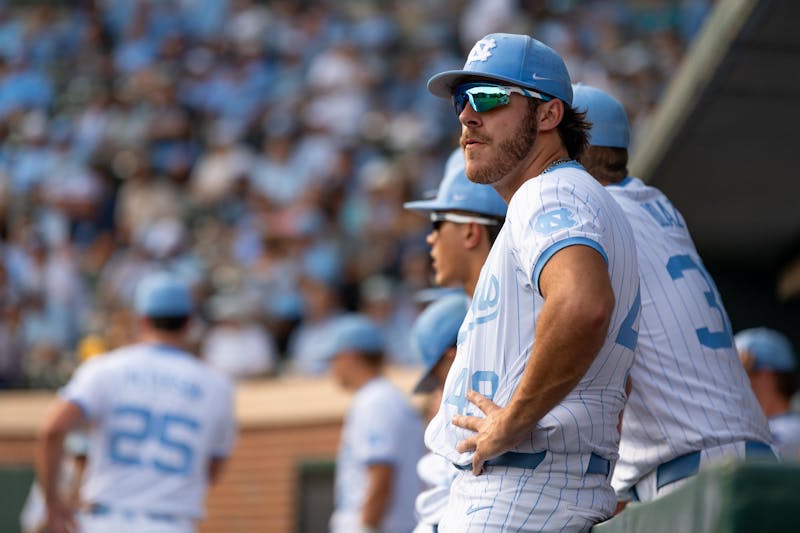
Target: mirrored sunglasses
pixel 485 96
pixel 438 218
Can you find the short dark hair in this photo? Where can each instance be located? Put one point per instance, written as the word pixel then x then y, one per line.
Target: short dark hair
pixel 606 163
pixel 168 323
pixel 493 231
pixel 573 128
pixel 574 131
pixel 786 383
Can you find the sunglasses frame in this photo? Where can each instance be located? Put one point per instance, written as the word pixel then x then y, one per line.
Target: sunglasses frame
pixel 437 217
pixel 461 95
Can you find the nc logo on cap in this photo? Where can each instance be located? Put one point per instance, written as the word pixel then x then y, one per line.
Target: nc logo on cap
pixel 481 50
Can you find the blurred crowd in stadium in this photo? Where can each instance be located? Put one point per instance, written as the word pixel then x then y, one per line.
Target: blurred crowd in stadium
pixel 261 150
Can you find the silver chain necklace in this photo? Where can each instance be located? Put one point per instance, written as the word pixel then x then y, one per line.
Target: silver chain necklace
pixel 555 163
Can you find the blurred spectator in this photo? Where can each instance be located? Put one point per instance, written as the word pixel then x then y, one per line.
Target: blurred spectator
pixel 394 313
pixel 213 137
pixel 236 344
pixel 319 287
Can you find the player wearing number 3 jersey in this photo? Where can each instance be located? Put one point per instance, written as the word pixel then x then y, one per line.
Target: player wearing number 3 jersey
pixel 531 404
pixel 690 403
pixel 161 426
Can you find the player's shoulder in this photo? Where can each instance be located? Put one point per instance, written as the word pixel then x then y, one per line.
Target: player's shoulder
pixel 635 189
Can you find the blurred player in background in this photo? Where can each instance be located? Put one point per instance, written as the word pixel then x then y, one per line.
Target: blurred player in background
pixel 689 403
pixel 466 219
pixel 771 365
pixel 162 424
pixel 381 442
pixel 531 403
pixel 434 337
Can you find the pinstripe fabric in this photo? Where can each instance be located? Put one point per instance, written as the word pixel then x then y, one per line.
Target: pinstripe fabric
pixel 689 390
pixel 560 208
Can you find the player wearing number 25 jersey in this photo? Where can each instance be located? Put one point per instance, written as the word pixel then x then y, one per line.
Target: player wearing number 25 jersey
pixel 690 404
pixel 161 425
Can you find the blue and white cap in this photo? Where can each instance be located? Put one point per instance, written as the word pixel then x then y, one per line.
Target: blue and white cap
pixel 609 120
pixel 436 330
pixel 163 295
pixel 458 193
pixel 510 58
pixel 770 349
pixel 355 332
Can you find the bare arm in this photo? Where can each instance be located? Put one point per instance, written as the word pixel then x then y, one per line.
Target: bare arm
pixel 570 330
pixel 63 417
pixel 379 491
pixel 215 467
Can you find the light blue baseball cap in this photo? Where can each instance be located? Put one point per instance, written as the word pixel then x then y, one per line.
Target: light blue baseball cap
pixel 458 193
pixel 770 349
pixel 609 120
pixel 436 330
pixel 355 332
pixel 163 295
pixel 510 58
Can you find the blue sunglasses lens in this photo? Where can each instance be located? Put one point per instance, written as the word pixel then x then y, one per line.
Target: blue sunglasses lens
pixel 482 98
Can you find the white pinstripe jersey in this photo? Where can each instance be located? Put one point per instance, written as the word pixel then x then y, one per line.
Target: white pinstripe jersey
pixel 560 208
pixel 689 388
pixel 158 416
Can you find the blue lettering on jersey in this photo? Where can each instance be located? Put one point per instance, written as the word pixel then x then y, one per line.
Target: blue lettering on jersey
pixel 676 266
pixel 551 221
pixel 458 395
pixel 662 215
pixel 136 425
pixel 484 307
pixel 628 333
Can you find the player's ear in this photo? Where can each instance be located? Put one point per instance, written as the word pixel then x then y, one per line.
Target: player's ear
pixel 549 114
pixel 473 234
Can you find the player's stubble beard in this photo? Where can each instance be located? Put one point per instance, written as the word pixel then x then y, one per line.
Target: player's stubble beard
pixel 509 153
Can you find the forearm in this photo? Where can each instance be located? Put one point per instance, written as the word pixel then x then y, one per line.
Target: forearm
pixel 48 463
pixel 379 490
pixel 569 334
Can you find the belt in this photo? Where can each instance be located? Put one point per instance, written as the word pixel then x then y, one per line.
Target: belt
pixel 688 464
pixel 99 509
pixel 597 465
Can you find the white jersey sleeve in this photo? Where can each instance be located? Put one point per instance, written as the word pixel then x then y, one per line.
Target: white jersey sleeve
pixel 158 417
pixel 564 207
pixel 689 390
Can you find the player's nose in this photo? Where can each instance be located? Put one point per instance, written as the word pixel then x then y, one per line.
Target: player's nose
pixel 469 117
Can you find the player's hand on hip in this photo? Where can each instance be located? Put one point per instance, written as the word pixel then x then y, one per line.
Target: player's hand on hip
pixel 491 435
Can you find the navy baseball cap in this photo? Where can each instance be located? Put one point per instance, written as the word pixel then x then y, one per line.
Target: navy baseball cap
pixel 355 332
pixel 770 349
pixel 510 58
pixel 163 295
pixel 458 193
pixel 609 120
pixel 436 330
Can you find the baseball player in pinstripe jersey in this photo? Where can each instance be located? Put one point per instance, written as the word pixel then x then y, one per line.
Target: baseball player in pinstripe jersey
pixel 467 218
pixel 434 338
pixel 690 404
pixel 162 426
pixel 531 403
